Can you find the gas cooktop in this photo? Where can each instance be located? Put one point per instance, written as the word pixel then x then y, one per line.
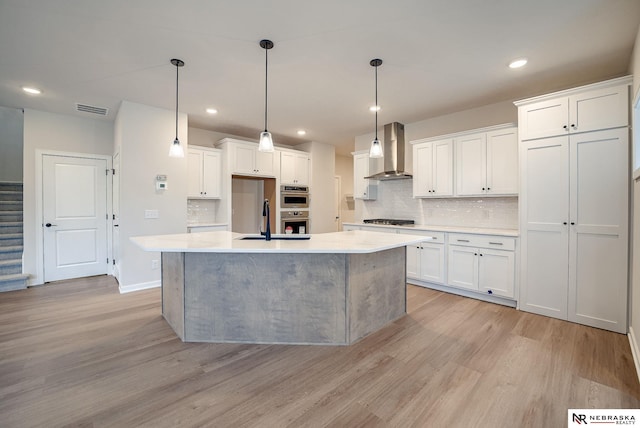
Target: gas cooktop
pixel 389 221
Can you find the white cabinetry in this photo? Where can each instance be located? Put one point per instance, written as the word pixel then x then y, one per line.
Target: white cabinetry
pixel 204 173
pixel 246 159
pixel 363 188
pixel 599 106
pixel 433 169
pixel 482 263
pixel 487 163
pixel 294 168
pixel 426 260
pixel 574 225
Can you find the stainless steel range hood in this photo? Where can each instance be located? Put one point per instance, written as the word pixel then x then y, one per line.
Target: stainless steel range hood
pixel 393 152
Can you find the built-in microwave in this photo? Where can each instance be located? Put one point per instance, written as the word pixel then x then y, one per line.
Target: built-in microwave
pixel 294 197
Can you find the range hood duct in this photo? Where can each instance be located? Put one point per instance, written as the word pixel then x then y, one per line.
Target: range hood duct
pixel 393 150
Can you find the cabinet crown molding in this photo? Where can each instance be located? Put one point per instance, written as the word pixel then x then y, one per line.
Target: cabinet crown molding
pixel 462 133
pixel 625 80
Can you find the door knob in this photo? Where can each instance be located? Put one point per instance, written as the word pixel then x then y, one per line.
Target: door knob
pixel 49 224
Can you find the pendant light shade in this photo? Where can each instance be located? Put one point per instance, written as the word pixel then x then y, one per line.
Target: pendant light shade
pixel 376 147
pixel 266 142
pixel 176 150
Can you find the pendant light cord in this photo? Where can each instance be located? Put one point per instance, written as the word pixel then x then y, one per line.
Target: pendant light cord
pixel 376 67
pixel 266 80
pixel 177 68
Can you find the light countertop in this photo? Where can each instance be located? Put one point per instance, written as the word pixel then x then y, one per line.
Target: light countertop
pixel 452 229
pixel 226 242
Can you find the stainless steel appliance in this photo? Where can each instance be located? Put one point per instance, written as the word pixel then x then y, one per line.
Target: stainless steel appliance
pixel 298 221
pixel 393 158
pixel 389 221
pixel 294 197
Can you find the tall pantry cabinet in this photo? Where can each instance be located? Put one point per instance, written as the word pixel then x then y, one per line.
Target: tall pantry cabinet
pixel 574 203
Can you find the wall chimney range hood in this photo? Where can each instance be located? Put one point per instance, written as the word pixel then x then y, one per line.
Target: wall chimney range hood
pixel 393 149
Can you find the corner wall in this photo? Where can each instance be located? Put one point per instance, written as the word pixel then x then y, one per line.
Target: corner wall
pixel 144 135
pixel 11 137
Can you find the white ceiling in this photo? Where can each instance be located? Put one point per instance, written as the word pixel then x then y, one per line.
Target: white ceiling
pixel 440 56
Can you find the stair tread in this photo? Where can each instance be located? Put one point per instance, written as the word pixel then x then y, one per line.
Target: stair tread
pixel 10 262
pixel 11 249
pixel 10 223
pixel 10 235
pixel 14 276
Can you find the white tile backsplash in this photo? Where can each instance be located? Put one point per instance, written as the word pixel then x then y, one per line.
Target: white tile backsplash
pixel 201 211
pixel 395 200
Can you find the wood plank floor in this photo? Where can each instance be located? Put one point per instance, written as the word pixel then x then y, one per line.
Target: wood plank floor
pixel 77 353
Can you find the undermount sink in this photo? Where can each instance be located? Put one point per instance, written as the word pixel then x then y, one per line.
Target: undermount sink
pixel 277 237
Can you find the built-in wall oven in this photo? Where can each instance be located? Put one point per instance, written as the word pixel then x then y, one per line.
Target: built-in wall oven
pixel 294 197
pixel 297 221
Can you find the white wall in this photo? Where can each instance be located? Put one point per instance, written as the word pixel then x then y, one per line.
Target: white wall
pixel 49 131
pixel 144 135
pixel 323 171
pixel 634 315
pixel 11 126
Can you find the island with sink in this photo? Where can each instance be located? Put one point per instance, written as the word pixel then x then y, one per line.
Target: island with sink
pixel 330 288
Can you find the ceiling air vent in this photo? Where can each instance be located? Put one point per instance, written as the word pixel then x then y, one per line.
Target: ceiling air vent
pixel 92 109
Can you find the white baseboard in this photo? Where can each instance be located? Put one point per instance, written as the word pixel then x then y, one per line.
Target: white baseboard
pixel 140 286
pixel 635 351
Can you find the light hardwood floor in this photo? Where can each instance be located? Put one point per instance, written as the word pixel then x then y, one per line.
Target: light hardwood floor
pixel 77 353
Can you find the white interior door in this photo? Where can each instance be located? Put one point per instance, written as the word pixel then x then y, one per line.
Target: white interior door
pixel 116 216
pixel 74 202
pixel 337 190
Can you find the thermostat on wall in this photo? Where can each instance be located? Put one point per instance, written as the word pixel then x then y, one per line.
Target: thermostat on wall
pixel 161 182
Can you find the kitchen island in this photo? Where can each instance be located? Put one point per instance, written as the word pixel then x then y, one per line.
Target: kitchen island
pixel 331 289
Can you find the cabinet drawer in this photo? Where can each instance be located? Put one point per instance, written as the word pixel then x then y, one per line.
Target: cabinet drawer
pixel 483 241
pixel 436 237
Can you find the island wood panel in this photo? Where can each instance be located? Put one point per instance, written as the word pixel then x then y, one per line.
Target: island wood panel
pixel 265 298
pixel 173 291
pixel 377 290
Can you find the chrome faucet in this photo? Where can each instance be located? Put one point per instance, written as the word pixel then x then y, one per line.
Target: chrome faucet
pixel 266 215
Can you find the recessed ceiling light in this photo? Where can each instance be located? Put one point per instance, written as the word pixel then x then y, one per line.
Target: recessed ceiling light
pixel 374 108
pixel 32 91
pixel 301 132
pixel 212 111
pixel 518 63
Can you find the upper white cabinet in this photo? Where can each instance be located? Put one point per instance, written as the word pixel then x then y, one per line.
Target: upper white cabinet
pixel 487 163
pixel 294 168
pixel 590 108
pixel 246 159
pixel 204 173
pixel 574 204
pixel 433 168
pixel 363 188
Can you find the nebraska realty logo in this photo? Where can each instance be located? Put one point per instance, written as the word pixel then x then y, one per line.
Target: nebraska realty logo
pixel 581 417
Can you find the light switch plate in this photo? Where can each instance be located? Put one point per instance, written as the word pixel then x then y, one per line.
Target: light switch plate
pixel 151 214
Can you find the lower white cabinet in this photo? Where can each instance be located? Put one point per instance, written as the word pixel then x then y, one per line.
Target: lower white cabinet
pixel 475 263
pixel 426 260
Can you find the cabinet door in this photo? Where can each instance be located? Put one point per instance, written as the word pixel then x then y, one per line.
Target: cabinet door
pixel 265 163
pixel 287 168
pixel 244 159
pixel 413 261
pixel 471 165
pixel 432 267
pixel 422 170
pixel 194 173
pixel 544 119
pixel 442 168
pixel 211 175
pixel 599 229
pixel 496 272
pixel 502 162
pixel 599 109
pixel 544 212
pixel 362 188
pixel 301 169
pixel 462 269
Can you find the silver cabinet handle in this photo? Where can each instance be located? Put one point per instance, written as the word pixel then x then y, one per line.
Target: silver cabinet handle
pixel 462 240
pixel 496 243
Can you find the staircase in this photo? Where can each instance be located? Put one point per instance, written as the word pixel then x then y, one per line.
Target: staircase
pixel 11 276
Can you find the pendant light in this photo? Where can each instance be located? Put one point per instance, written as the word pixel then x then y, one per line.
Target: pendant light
pixel 176 150
pixel 266 142
pixel 376 147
